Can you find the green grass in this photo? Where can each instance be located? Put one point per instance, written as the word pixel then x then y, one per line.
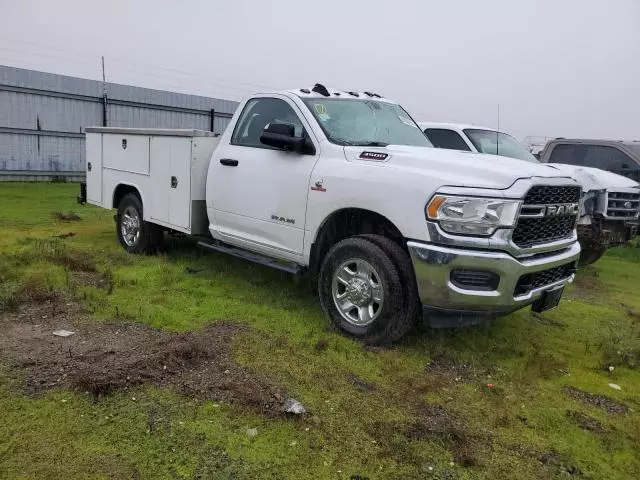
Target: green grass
pixel 350 432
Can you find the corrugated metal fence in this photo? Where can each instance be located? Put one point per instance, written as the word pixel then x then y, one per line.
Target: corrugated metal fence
pixel 43 117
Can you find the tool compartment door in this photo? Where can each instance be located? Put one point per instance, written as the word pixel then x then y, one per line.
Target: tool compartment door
pixel 126 153
pixel 94 168
pixel 171 180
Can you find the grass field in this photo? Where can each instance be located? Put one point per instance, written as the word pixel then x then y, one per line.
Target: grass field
pixel 421 409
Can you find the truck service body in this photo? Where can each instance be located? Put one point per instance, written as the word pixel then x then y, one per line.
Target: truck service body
pixel 346 186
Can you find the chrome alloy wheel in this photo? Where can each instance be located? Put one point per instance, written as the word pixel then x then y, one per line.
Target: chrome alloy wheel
pixel 357 292
pixel 130 226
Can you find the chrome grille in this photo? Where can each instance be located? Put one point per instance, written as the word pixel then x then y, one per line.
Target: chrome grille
pixel 536 229
pixel 623 204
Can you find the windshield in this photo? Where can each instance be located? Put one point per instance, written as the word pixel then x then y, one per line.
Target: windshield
pixel 366 122
pixel 498 143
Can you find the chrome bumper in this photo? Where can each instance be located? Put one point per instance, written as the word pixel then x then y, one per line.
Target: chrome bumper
pixel 433 265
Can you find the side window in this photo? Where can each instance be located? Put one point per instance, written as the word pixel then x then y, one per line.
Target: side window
pixel 444 138
pixel 567 154
pixel 606 158
pixel 257 114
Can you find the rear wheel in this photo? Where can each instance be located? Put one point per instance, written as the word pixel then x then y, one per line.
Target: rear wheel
pixel 361 292
pixel 134 234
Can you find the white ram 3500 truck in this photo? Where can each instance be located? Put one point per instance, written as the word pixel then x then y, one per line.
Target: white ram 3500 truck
pixel 610 207
pixel 345 185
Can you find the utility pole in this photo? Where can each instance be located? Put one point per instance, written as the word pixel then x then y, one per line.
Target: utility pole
pixel 104 96
pixel 498 133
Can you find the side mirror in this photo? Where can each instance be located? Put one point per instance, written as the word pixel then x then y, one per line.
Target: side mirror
pixel 282 135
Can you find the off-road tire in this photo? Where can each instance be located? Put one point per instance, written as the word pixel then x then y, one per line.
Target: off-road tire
pixel 393 321
pixel 150 238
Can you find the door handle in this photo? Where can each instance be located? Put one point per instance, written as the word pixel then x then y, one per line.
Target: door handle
pixel 228 162
pixel 174 182
pixel 89 166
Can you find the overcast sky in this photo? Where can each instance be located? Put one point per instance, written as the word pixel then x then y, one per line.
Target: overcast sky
pixel 556 67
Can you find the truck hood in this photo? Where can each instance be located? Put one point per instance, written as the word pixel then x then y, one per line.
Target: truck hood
pixel 463 169
pixel 594 178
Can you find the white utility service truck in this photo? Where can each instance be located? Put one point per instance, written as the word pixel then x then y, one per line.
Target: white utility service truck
pixel 346 186
pixel 610 207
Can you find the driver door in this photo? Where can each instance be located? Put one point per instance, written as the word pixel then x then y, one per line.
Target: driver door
pixel 259 196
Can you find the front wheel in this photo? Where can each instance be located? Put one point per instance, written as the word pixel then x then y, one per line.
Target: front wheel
pixel 361 292
pixel 134 234
pixel 591 255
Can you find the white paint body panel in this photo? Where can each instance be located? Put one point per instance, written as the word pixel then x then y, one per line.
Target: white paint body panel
pixel 261 204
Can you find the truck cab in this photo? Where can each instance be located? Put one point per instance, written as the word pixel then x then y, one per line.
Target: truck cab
pixel 345 186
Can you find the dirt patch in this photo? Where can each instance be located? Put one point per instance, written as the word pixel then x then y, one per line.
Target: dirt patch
pixel 33 291
pixel 585 421
pixel 561 464
pixel 550 322
pixel 103 358
pixel 321 345
pixel 360 384
pixel 67 217
pixel 587 286
pixel 65 235
pixel 601 401
pixel 433 423
pixel 103 280
pixel 450 370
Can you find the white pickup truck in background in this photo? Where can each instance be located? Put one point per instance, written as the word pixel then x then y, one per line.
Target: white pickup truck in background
pixel 610 208
pixel 346 186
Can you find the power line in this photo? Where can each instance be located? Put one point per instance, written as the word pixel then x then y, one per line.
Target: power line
pixel 168 82
pixel 228 81
pixel 236 91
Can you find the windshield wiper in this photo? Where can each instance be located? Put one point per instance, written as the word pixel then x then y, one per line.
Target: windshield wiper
pixel 372 144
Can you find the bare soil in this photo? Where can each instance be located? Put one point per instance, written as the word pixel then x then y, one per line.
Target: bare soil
pixel 585 421
pixel 601 401
pixel 448 370
pixel 103 358
pixel 66 217
pixel 561 464
pixel 433 422
pixel 360 384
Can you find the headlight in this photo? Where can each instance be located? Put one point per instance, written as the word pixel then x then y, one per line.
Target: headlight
pixel 472 215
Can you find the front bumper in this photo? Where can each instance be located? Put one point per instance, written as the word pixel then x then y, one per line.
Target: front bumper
pixel 446 304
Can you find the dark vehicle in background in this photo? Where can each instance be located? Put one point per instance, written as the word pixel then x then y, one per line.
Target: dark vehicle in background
pixel 607 209
pixel 613 156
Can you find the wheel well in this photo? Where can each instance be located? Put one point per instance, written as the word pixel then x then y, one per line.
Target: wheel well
pixel 347 223
pixel 121 191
